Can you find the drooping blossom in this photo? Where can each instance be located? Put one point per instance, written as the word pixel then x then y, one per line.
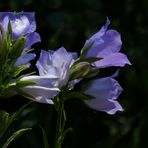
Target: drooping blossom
pixel 22 23
pixel 107 45
pixel 106 91
pixel 56 63
pixel 42 89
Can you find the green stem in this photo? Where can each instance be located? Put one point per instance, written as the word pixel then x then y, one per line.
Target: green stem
pixel 61 119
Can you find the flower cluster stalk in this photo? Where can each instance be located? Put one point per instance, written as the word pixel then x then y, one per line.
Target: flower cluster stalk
pixel 61 119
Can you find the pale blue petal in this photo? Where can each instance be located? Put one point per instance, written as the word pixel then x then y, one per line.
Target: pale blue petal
pixel 115 59
pixel 24 60
pixel 56 63
pixel 61 57
pixel 45 81
pixel 31 39
pixel 105 91
pixel 41 94
pixel 101 32
pixel 105 45
pixel 22 23
pixel 43 62
pixel 42 90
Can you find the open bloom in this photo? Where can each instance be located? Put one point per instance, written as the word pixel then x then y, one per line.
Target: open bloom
pixel 42 89
pixel 107 45
pixel 56 63
pixel 53 67
pixel 106 91
pixel 22 23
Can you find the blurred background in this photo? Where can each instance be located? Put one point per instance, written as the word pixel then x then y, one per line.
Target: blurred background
pixel 69 23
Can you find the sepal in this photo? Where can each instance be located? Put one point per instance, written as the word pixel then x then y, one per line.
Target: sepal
pixel 9 35
pixel 17 48
pixel 85 50
pixel 3 46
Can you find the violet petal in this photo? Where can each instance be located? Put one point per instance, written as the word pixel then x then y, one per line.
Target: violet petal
pixel 105 91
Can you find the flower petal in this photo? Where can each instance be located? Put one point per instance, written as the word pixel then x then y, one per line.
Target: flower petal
pixel 101 32
pixel 105 42
pixel 45 81
pixel 44 62
pixel 61 57
pixel 22 23
pixel 105 91
pixel 105 45
pixel 115 59
pixel 24 60
pixel 56 63
pixel 42 90
pixel 31 39
pixel 41 94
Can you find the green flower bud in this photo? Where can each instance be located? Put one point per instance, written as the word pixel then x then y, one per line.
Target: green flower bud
pixel 79 70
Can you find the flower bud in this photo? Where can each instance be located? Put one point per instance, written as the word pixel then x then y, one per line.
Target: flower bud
pixel 79 70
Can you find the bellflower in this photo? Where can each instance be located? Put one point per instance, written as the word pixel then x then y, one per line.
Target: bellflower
pixel 53 70
pixel 107 45
pixel 56 63
pixel 106 91
pixel 22 23
pixel 42 89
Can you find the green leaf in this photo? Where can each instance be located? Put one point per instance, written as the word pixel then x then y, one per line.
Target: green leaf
pixel 9 29
pixel 28 50
pixel 62 136
pixel 6 120
pixel 9 37
pixel 85 50
pixel 15 136
pixel 3 38
pixel 83 57
pixel 24 83
pixel 3 46
pixel 45 139
pixel 65 132
pixel 17 48
pixel 20 69
pixel 25 75
pixel 8 91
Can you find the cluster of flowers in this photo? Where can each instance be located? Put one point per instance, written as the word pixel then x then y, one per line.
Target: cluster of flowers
pixel 58 70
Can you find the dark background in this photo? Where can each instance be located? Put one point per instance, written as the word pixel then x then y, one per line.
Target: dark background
pixel 69 23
